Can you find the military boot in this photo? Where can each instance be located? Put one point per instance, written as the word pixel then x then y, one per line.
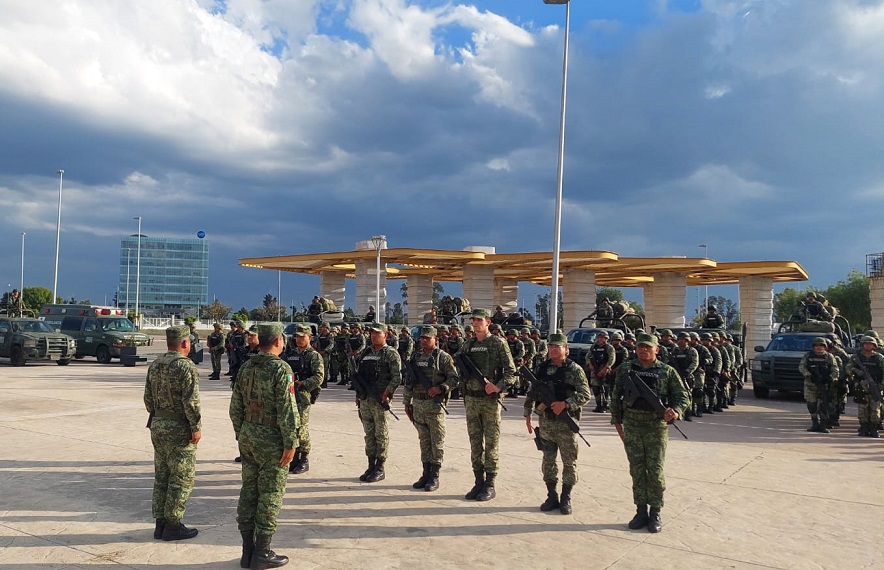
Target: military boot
pixel 177 531
pixel 511 393
pixel 248 548
pixel 158 529
pixel 552 498
pixel 422 482
pixel 862 431
pixel 698 410
pixel 263 557
pixel 477 488
pixel 433 480
pixel 688 414
pixel 565 501
pixel 823 425
pixel 640 520
pixel 815 426
pixel 303 465
pixel 654 522
pixel 378 473
pixel 873 431
pixel 487 493
pixel 295 461
pixel 371 463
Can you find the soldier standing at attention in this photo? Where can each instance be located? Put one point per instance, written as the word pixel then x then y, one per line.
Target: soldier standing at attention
pixel 228 347
pixel 405 345
pixel 309 372
pixel 820 371
pixel 571 393
pixel 380 371
pixel 492 358
pixel 172 398
pixel 685 359
pixel 324 344
pixel 432 366
pixel 599 359
pixel 540 347
pixel 712 320
pixel 868 409
pixel 265 420
pixel 215 341
pixel 643 431
pixel 517 351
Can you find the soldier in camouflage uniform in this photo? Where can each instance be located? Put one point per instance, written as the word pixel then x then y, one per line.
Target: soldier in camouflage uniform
pixel 735 382
pixel 434 367
pixel 265 421
pixel 492 358
pixel 704 360
pixel 215 343
pixel 236 339
pixel 599 359
pixel 571 393
pixel 540 348
pixel 868 408
pixel 172 398
pixel 530 352
pixel 820 371
pixel 629 345
pixel 685 360
pixel 340 358
pixel 455 339
pixel 517 351
pixel 667 345
pixel 324 343
pixel 309 371
pixel 840 390
pixel 643 431
pixel 711 373
pixel 405 344
pixel 380 370
pixel 722 388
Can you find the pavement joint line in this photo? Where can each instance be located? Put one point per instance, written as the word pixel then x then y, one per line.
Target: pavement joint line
pixel 740 468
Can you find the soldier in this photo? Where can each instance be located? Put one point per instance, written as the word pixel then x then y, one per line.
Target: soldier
pixel 643 431
pixel 839 397
pixel 815 310
pixel 309 373
pixel 265 420
pixel 499 316
pixel 665 337
pixel 685 359
pixel 721 387
pixel 517 351
pixel 355 345
pixel 237 340
pixel 540 347
pixel 405 345
pixel 492 359
pixel 228 347
pixel 604 313
pixel 530 353
pixel 340 356
pixel 868 391
pixel 629 345
pixel 196 351
pixel 370 316
pixel 468 332
pixel 215 342
pixel 571 393
pixel 495 329
pixel 379 370
pixel 430 377
pixel 735 384
pixel 820 371
pixel 172 398
pixel 712 320
pixel 455 339
pixel 324 344
pixel 15 305
pixel 599 360
pixel 711 373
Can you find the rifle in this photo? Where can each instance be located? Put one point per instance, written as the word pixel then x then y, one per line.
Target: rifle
pixel 364 390
pixel 635 388
pixel 544 393
pixel 872 388
pixel 413 371
pixel 473 370
pixel 149 420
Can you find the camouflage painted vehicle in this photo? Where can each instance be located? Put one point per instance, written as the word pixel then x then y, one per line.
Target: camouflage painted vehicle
pixel 27 338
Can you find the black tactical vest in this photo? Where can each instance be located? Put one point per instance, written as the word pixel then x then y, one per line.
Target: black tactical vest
pixel 819 365
pixel 599 354
pixel 651 377
pixel 563 389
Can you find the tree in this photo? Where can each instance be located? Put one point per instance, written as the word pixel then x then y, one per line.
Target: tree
pixel 35 297
pixel 609 293
pixel 268 311
pixel 542 309
pixel 785 303
pixel 241 315
pixel 217 311
pixel 728 310
pixel 851 298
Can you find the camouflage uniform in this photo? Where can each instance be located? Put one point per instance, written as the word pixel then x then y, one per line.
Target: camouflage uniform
pixel 405 345
pixel 704 360
pixel 685 361
pixel 711 374
pixel 644 431
pixel 820 373
pixel 215 341
pixel 540 348
pixel 437 369
pixel 324 344
pixel 381 371
pixel 172 397
pixel 599 360
pixel 868 411
pixel 493 359
pixel 309 373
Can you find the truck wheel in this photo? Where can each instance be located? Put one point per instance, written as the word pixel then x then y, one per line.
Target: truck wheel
pixel 761 392
pixel 17 357
pixel 103 354
pixel 63 361
pixel 79 356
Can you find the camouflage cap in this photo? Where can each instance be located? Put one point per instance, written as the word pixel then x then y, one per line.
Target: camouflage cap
pixel 377 327
pixel 647 339
pixel 177 333
pixel 218 326
pixel 267 330
pixel 870 339
pixel 871 333
pixel 481 314
pixel 512 332
pixel 324 324
pixel 557 339
pixel 714 335
pixel 428 332
pixel 356 326
pixel 404 329
pixel 684 334
pixel 442 328
pixel 535 330
pixel 303 330
pixel 665 332
pixel 820 340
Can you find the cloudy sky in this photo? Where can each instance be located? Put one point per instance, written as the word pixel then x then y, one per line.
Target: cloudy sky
pixel 294 126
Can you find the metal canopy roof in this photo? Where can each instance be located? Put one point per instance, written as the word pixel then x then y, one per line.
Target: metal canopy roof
pixel 611 270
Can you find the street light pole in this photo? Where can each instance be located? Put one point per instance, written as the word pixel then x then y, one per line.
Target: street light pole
pixel 557 232
pixel 378 241
pixel 128 265
pixel 57 237
pixel 706 293
pixel 137 271
pixel 278 295
pixel 21 289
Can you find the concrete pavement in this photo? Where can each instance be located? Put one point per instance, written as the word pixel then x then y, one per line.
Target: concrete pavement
pixel 750 489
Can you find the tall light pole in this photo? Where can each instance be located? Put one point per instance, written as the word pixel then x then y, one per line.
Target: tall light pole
pixel 706 255
pixel 57 237
pixel 557 232
pixel 137 270
pixel 21 289
pixel 128 265
pixel 378 242
pixel 278 295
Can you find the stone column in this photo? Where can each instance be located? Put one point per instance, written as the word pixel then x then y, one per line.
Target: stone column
pixel 756 311
pixel 332 286
pixel 420 297
pixel 876 296
pixel 366 282
pixel 578 297
pixel 649 302
pixel 669 290
pixel 478 286
pixel 506 294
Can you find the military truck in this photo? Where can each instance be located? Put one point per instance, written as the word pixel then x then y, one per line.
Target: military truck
pixel 28 338
pixel 775 367
pixel 581 339
pixel 102 332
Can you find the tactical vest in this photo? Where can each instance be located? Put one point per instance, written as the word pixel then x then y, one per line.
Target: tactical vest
pixel 402 347
pixel 871 364
pixel 820 366
pixel 680 359
pixel 426 364
pixel 370 366
pixel 214 339
pixel 355 341
pixel 256 413
pixel 620 356
pixel 299 364
pixel 651 378
pixel 599 354
pixel 563 389
pixel 323 341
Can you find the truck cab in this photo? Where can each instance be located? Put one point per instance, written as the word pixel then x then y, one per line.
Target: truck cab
pixel 28 338
pixel 102 332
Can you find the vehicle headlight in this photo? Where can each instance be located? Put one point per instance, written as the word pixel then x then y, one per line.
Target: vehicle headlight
pixel 756 365
pixel 72 343
pixel 29 342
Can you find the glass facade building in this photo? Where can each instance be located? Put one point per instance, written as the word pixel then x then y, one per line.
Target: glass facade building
pixel 174 275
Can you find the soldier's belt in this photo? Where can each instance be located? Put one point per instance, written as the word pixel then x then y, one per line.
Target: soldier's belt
pixel 169 415
pixel 269 422
pixel 477 394
pixel 641 415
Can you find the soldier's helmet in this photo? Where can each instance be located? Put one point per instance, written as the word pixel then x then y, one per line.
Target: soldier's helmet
pixel 617 335
pixel 684 334
pixel 820 340
pixel 629 336
pixel 712 308
pixel 870 339
pixel 603 334
pixel 705 336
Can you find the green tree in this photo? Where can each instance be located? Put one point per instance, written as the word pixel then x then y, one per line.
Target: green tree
pixel 241 315
pixel 268 311
pixel 217 312
pixel 609 293
pixel 851 298
pixel 35 297
pixel 785 303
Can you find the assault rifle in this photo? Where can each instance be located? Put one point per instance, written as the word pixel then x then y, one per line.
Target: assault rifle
pixel 364 390
pixel 416 373
pixel 872 388
pixel 634 388
pixel 545 393
pixel 467 364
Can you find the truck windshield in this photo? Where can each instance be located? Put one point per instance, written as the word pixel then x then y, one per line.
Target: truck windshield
pixel 791 343
pixel 32 326
pixel 121 325
pixel 578 336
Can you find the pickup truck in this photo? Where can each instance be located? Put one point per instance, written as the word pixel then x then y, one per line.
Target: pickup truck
pixel 23 339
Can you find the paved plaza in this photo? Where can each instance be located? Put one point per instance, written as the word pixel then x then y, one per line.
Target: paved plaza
pixel 750 489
